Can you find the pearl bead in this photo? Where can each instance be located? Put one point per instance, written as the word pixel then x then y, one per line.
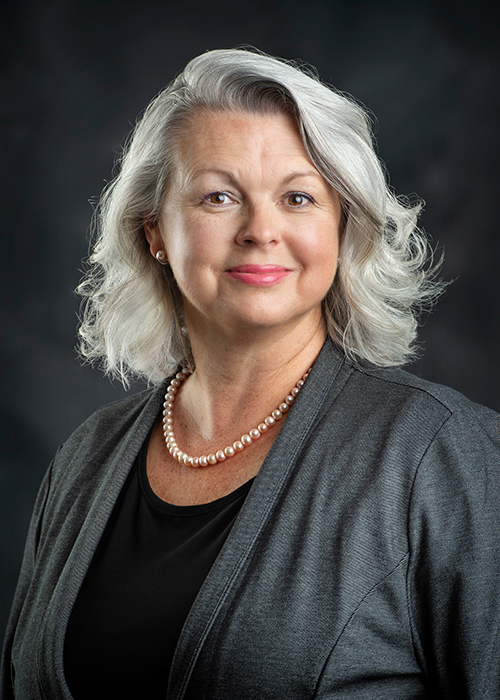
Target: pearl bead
pixel 229 451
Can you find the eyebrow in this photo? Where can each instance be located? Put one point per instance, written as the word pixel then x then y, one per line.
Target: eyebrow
pixel 233 181
pixel 214 171
pixel 301 173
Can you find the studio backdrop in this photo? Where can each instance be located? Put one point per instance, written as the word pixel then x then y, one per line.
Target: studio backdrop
pixel 75 75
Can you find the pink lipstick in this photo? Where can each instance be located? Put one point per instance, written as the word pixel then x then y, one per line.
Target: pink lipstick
pixel 258 275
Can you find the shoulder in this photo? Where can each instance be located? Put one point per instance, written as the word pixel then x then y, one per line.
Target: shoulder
pixel 400 381
pixel 371 402
pixel 435 400
pixel 459 439
pixel 117 412
pixel 109 426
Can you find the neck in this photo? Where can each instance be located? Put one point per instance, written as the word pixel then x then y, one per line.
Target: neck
pixel 241 377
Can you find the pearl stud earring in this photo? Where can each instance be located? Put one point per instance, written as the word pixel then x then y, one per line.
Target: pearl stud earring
pixel 161 256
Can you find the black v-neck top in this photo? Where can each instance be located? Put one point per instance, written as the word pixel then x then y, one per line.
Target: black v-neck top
pixel 144 577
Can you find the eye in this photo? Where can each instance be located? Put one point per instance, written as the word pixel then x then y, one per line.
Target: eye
pixel 217 198
pixel 298 199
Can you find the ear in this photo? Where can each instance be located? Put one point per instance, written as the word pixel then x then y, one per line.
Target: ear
pixel 154 238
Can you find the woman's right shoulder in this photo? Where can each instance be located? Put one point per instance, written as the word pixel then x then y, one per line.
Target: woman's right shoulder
pixel 111 424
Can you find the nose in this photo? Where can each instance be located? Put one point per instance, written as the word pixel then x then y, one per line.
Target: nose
pixel 260 226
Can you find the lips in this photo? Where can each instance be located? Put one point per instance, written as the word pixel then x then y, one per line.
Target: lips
pixel 258 275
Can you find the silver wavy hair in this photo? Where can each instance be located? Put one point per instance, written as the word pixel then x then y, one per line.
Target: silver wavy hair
pixel 132 318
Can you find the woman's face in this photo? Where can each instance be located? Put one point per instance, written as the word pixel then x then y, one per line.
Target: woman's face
pixel 250 227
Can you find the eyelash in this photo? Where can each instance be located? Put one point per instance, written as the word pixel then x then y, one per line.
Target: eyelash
pixel 308 197
pixel 287 197
pixel 206 198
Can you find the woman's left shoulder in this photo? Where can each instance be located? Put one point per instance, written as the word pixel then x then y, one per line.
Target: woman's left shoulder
pixel 434 398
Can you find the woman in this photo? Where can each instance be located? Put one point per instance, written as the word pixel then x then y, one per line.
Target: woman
pixel 287 515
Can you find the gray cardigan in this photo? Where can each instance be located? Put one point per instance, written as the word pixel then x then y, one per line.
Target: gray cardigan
pixel 364 564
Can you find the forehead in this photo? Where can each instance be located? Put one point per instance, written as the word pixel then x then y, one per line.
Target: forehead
pixel 239 136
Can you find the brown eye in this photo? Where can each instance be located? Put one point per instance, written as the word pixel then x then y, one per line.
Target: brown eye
pixel 297 199
pixel 216 198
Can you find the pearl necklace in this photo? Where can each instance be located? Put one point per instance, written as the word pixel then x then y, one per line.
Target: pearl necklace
pixel 230 450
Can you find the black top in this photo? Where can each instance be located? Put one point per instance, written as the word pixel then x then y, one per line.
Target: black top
pixel 146 573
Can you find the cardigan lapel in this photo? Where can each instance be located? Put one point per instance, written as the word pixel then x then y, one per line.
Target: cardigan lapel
pixel 324 383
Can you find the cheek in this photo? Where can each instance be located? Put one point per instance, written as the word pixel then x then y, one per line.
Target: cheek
pixel 177 242
pixel 323 265
pixel 192 250
pixel 321 251
pixel 193 239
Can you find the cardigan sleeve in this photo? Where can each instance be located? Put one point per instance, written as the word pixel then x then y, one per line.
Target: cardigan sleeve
pixel 24 581
pixel 454 572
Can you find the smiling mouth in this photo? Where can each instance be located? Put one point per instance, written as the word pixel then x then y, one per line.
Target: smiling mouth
pixel 258 275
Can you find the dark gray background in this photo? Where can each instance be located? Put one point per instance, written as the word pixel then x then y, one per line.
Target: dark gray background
pixel 76 73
